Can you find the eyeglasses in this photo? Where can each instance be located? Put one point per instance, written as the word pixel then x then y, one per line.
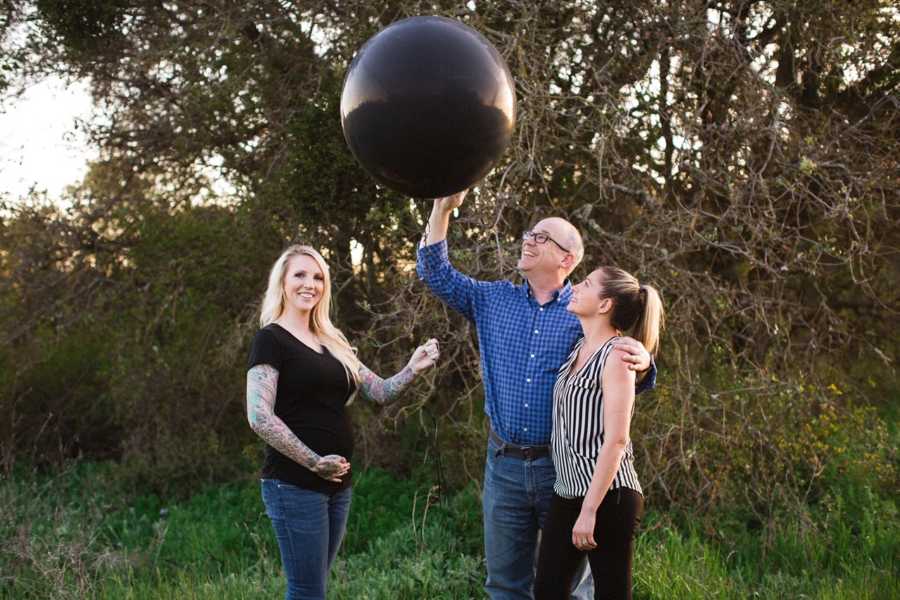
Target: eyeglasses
pixel 541 238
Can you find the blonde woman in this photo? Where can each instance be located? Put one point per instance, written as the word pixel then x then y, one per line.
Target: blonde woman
pixel 302 374
pixel 597 500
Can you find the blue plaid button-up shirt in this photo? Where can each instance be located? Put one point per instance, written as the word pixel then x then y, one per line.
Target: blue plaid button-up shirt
pixel 522 344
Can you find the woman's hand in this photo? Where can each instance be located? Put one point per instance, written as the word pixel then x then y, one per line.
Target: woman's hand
pixel 331 467
pixel 583 532
pixel 424 356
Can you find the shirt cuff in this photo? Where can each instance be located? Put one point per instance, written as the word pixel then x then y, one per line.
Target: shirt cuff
pixel 436 252
pixel 648 382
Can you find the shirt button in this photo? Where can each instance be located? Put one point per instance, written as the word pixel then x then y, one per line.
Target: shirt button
pixel 537 331
pixel 532 356
pixel 542 309
pixel 526 405
pixel 524 429
pixel 528 380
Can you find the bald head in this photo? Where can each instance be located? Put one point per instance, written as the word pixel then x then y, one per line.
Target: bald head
pixel 566 234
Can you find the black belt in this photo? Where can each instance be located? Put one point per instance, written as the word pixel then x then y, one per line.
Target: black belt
pixel 524 452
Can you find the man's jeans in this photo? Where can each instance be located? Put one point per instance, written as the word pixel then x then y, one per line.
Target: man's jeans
pixel 309 527
pixel 517 496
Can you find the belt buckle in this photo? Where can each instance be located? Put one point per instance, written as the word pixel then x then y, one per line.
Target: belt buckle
pixel 528 452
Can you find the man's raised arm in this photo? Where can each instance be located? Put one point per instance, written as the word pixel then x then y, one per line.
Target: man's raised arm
pixel 458 291
pixel 436 231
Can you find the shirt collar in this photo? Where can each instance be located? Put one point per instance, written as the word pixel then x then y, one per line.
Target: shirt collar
pixel 563 294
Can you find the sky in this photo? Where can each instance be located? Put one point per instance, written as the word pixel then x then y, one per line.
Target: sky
pixel 40 144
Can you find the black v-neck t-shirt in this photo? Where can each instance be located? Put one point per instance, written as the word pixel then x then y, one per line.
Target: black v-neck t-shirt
pixel 311 399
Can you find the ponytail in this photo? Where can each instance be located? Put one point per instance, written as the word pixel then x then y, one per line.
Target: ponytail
pixel 637 309
pixel 650 319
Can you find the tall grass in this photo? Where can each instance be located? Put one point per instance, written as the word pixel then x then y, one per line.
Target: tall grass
pixel 75 535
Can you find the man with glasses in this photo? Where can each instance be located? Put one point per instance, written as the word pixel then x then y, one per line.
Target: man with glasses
pixel 525 334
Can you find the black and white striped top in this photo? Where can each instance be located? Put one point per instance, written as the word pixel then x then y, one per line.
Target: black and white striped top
pixel 578 427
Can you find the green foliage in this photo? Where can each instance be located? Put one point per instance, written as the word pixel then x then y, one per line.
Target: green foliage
pixel 761 442
pixel 62 400
pixel 77 534
pixel 83 25
pixel 813 553
pixel 396 568
pixel 742 157
pixel 682 563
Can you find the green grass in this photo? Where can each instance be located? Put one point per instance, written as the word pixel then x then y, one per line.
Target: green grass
pixel 76 535
pixel 676 563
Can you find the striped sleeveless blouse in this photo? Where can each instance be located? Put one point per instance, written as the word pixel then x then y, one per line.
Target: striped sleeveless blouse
pixel 578 427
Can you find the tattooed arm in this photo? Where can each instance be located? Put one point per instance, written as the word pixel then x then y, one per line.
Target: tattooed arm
pixel 262 383
pixel 382 390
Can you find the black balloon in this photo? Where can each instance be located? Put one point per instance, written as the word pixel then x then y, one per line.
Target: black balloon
pixel 428 106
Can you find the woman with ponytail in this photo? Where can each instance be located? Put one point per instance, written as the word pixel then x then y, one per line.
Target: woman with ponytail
pixel 597 500
pixel 302 373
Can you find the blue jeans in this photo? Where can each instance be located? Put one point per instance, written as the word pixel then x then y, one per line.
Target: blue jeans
pixel 309 527
pixel 516 502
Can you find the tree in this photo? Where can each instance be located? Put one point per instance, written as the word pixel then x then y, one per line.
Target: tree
pixel 742 156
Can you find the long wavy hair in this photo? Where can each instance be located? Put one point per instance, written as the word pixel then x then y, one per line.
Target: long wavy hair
pixel 274 302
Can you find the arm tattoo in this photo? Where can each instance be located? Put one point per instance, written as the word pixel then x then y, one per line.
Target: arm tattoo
pixel 262 382
pixel 382 390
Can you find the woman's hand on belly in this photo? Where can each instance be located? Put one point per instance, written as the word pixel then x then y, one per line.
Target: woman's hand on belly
pixel 331 467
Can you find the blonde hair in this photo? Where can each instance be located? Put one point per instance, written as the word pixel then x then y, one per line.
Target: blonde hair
pixel 637 309
pixel 273 305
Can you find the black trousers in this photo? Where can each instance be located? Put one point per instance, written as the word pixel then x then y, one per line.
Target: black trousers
pixel 617 518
